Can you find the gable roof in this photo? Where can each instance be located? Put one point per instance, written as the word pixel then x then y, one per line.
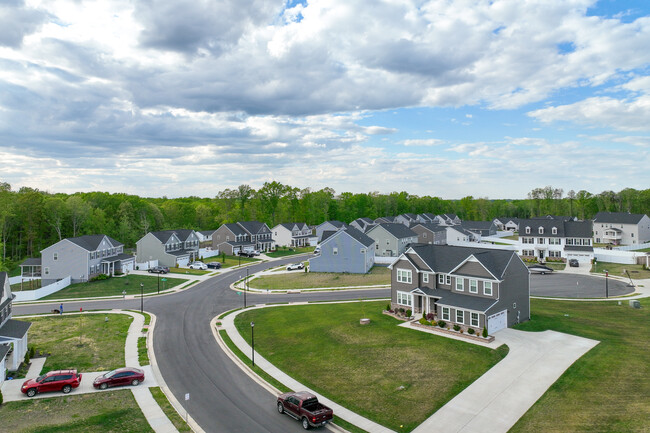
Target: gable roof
pixel 431 226
pixel 236 229
pixel 355 234
pixel 207 232
pixel 578 229
pixel 327 234
pixel 164 235
pixel 253 227
pixel 92 242
pixel 400 231
pixel 618 217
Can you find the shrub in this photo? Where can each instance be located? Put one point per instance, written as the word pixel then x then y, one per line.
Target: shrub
pixel 456 328
pixel 424 321
pixel 32 351
pixel 27 357
pixel 401 310
pixel 470 331
pixel 430 316
pixel 388 307
pixel 434 323
pixel 408 313
pixel 485 334
pixel 441 324
pixel 99 277
pixel 1 399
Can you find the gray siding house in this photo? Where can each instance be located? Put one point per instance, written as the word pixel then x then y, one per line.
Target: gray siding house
pixel 170 247
pixel 430 233
pixel 391 239
pixel 346 250
pixel 621 228
pixel 84 257
pixel 13 333
pixel 481 228
pixel 470 287
pixel 362 224
pixel 329 226
pixel 232 238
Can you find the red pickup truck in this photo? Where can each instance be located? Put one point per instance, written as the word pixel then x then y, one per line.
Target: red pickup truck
pixel 304 406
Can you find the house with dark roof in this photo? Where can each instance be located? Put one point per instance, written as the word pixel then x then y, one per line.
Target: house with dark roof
pixel 332 225
pixel 13 333
pixel 456 234
pixel 291 234
pixel 507 223
pixel 362 224
pixel 406 218
pixel 430 233
pixel 347 250
pixel 426 217
pixel 170 247
pixel 556 238
pixel 391 239
pixel 232 238
pixel 480 228
pixel 621 228
pixel 385 219
pixel 205 237
pixel 448 219
pixel 82 258
pixel 465 286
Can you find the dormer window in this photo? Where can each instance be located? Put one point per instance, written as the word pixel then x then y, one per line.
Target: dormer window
pixel 527 230
pixel 541 230
pixel 554 230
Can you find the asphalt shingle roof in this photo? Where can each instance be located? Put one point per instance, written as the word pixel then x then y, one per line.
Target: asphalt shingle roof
pixel 453 299
pixel 32 261
pixel 14 328
pixel 253 227
pixel 4 349
pixel 444 258
pixel 400 231
pixel 92 242
pixel 618 217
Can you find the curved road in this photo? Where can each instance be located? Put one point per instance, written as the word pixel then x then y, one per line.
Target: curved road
pixel 223 398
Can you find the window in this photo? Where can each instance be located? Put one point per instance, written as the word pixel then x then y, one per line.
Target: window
pixel 473 286
pixel 541 240
pixel 448 280
pixel 445 313
pixel 55 256
pixel 362 250
pixel 487 288
pixel 554 241
pixel 460 316
pixel 540 230
pixel 47 271
pixel 460 284
pixel 514 305
pixel 404 276
pixel 554 254
pixel 527 230
pixel 424 235
pixel 554 230
pixel 425 277
pixel 441 278
pixel 474 319
pixel 404 298
pixel 335 251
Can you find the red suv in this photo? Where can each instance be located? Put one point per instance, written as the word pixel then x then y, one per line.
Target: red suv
pixel 59 380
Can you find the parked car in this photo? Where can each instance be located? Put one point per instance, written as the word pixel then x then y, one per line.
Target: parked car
pixel 255 253
pixel 119 377
pixel 214 265
pixel 317 250
pixel 294 266
pixel 198 265
pixel 541 269
pixel 159 270
pixel 574 263
pixel 58 380
pixel 246 253
pixel 305 407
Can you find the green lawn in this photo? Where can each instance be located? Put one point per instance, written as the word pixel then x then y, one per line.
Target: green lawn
pixel 513 237
pixel 113 411
pixel 607 390
pixel 102 343
pixel 187 271
pixel 26 285
pixel 558 266
pixel 644 250
pixel 234 261
pixel 285 252
pixel 395 376
pixel 143 356
pixel 636 271
pixel 115 286
pixel 304 280
pixel 169 410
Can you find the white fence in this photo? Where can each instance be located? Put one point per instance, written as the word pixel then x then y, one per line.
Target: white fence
pixel 18 279
pixel 615 256
pixel 380 260
pixel 633 247
pixel 146 265
pixel 208 252
pixel 32 295
pixel 497 239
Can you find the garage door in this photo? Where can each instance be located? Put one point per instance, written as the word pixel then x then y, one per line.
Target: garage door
pixel 183 262
pixel 128 266
pixel 582 258
pixel 497 321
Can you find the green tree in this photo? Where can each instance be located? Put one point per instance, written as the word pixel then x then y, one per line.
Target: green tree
pixel 270 194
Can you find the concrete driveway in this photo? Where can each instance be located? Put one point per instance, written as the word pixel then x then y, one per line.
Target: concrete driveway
pixel 494 402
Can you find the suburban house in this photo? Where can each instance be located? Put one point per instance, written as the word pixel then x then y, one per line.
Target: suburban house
pixel 465 286
pixel 431 233
pixel 232 238
pixel 291 234
pixel 205 237
pixel 457 234
pixel 556 238
pixel 505 223
pixel 82 258
pixel 406 218
pixel 426 217
pixel 391 239
pixel 481 228
pixel 346 250
pixel 621 228
pixel 385 219
pixel 13 333
pixel 170 247
pixel 329 226
pixel 362 224
pixel 448 219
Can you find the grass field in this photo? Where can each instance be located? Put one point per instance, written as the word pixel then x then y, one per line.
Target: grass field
pixel 187 271
pixel 143 356
pixel 305 280
pixel 286 252
pixel 115 286
pixel 512 238
pixel 112 411
pixel 636 271
pixel 395 376
pixel 608 389
pixel 169 410
pixel 26 285
pixel 234 261
pixel 102 343
pixel 558 266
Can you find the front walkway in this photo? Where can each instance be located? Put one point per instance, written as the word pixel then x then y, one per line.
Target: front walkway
pixel 494 402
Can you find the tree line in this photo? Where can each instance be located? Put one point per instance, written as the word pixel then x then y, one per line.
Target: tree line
pixel 31 220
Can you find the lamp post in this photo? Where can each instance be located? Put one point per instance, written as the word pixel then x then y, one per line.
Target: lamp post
pixel 159 283
pixel 141 297
pixel 245 287
pixel 606 284
pixel 253 342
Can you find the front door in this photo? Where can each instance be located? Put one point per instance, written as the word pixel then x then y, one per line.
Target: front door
pixel 541 254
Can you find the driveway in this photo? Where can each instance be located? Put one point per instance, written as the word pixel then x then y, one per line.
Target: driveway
pixel 494 402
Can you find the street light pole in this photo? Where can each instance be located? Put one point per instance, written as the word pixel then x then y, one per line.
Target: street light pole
pixel 606 284
pixel 245 287
pixel 141 297
pixel 253 342
pixel 159 283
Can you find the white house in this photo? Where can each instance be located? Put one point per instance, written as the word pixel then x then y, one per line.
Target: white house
pixel 556 238
pixel 291 234
pixel 620 228
pixel 13 333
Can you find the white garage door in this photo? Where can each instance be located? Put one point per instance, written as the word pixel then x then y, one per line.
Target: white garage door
pixel 497 321
pixel 183 262
pixel 128 266
pixel 582 258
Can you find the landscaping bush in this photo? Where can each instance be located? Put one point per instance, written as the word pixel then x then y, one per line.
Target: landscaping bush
pixel 434 323
pixel 456 328
pixel 1 398
pixel 32 351
pixel 470 331
pixel 424 321
pixel 27 357
pixel 430 316
pixel 408 313
pixel 441 324
pixel 99 277
pixel 388 307
pixel 485 333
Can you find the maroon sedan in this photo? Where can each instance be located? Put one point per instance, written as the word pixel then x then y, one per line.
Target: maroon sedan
pixel 119 377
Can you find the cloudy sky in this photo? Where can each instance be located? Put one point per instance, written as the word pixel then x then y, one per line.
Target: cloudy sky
pixel 444 97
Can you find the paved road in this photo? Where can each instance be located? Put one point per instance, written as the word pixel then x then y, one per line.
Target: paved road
pixel 222 397
pixel 576 286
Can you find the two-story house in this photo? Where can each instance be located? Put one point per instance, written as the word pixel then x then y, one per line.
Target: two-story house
pixel 84 257
pixel 205 237
pixel 232 238
pixel 621 228
pixel 291 234
pixel 362 224
pixel 431 233
pixel 329 226
pixel 480 228
pixel 346 250
pixel 506 223
pixel 448 219
pixel 469 287
pixel 391 239
pixel 13 333
pixel 170 247
pixel 406 218
pixel 557 238
pixel 385 219
pixel 426 217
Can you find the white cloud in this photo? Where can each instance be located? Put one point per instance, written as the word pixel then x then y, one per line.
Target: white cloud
pixel 422 142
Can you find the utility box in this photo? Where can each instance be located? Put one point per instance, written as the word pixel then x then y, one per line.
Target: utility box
pixel 635 304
